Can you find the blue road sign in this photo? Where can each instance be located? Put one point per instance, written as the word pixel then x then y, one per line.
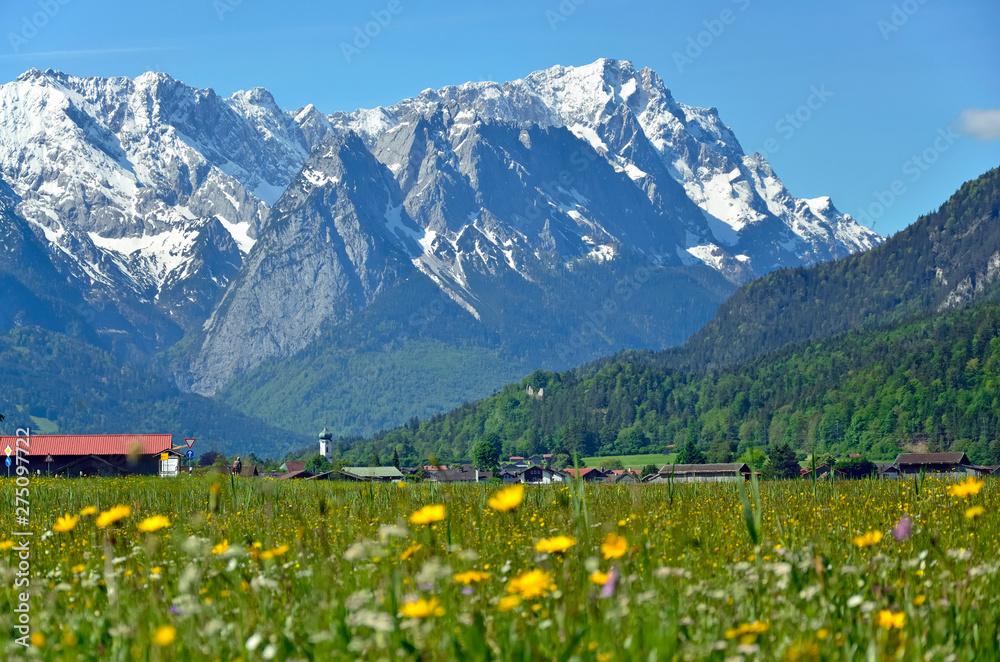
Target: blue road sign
pixel 190 454
pixel 7 460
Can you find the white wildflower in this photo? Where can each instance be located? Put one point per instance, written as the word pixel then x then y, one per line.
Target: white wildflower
pixel 254 641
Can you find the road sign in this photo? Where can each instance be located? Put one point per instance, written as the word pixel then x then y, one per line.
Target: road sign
pixel 8 451
pixel 164 456
pixel 190 454
pixel 48 458
pixel 7 460
pixel 190 442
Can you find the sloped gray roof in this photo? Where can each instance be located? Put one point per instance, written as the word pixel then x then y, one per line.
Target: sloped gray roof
pixel 932 458
pixel 373 472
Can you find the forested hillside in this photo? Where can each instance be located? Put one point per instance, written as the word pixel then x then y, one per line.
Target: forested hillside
pixel 941 261
pixel 932 382
pixel 55 383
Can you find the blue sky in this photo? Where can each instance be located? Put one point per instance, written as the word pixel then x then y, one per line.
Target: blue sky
pixel 894 76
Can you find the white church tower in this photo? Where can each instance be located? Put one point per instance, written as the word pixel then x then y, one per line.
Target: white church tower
pixel 326 444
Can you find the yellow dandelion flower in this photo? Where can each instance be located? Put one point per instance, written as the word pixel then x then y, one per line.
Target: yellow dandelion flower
pixel 154 523
pixel 558 544
pixel 66 523
pixel 599 578
pixel 410 551
pixel 919 600
pixel 889 620
pixel 221 548
pixel 277 551
pixel 89 510
pixel 428 515
pixel 869 539
pixel 509 603
pixel 164 635
pixel 748 630
pixel 470 577
pixel 5 545
pixel 531 584
pixel 37 639
pixel 970 485
pixel 614 546
pixel 78 568
pixel 422 608
pixel 507 499
pixel 114 515
pixel 974 512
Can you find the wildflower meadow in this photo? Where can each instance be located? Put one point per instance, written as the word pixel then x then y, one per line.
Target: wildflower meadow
pixel 203 568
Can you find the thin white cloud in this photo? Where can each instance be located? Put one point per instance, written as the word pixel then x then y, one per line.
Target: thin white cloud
pixel 980 124
pixel 87 52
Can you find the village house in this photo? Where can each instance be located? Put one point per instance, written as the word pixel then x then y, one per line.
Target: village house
pixel 887 470
pixel 701 473
pixel 588 474
pixel 623 476
pixel 955 464
pixel 95 454
pixel 465 473
pixel 364 474
pixel 533 476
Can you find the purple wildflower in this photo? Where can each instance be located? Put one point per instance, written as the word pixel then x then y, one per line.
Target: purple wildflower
pixel 609 586
pixel 902 529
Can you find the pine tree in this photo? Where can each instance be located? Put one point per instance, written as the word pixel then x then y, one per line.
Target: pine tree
pixel 783 461
pixel 395 457
pixel 691 454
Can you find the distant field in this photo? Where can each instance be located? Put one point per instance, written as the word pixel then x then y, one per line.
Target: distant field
pixel 632 461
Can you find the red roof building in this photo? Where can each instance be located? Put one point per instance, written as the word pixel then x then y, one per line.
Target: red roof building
pixel 93 454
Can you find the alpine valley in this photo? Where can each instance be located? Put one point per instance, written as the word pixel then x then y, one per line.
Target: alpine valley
pixel 236 261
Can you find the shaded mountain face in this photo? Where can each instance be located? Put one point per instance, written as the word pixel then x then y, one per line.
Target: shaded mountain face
pixel 334 241
pixel 557 218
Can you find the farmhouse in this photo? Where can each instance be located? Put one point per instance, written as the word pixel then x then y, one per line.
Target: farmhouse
pixel 94 454
pixel 588 474
pixel 463 474
pixel 887 470
pixel 958 464
pixel 623 476
pixel 701 473
pixel 365 474
pixel 532 476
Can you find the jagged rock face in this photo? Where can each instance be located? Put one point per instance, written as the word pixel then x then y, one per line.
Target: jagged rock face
pixel 748 223
pixel 331 243
pixel 152 203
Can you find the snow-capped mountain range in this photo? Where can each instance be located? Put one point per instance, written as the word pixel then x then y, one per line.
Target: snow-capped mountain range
pixel 169 211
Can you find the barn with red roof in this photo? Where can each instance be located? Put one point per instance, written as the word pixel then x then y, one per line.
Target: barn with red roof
pixel 93 454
